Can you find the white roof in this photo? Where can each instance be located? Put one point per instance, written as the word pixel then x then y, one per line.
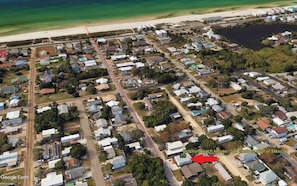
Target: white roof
pixel 223 171
pixel 90 63
pixel 181 92
pixel 107 141
pixel 103 131
pixel 101 80
pixel 211 101
pixel 194 89
pixel 180 161
pixel 267 177
pixel 69 138
pixel 133 58
pixel 117 57
pixel 62 109
pixel 215 128
pixel 49 132
pixel 43 109
pixel 14 101
pixel 127 64
pixel 52 179
pixel 139 64
pixel 174 145
pixel 51 164
pixel 160 128
pixel 123 69
pixel 112 103
pixel 13 114
pixel 194 104
pixel 8 157
pixel 66 151
pixel 224 139
pixel 278 121
pixel 135 145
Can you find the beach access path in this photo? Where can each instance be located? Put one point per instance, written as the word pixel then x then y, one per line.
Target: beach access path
pixel 103 27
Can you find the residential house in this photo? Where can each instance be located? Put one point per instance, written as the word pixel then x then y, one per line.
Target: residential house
pixel 12 118
pixel 251 141
pixel 101 123
pixel 267 177
pixel 110 153
pixel 116 110
pixel 261 146
pixel 19 80
pixel 279 132
pixel 118 162
pixel 279 122
pixel 135 145
pixel 2 105
pixel 197 112
pixel 185 133
pixel 47 76
pixel 21 63
pixel 102 87
pixel 192 170
pixel 102 81
pixel 247 157
pixel 155 95
pixel 222 171
pixel 52 179
pixel 70 138
pixel 63 109
pixel 9 89
pixel 217 108
pixel 280 114
pixel 175 116
pixel 119 119
pixel 14 103
pixel 225 139
pixel 174 148
pixel 46 91
pixel 147 103
pixel 49 132
pixel 52 163
pixel 107 141
pixel 112 103
pixel 160 128
pixel 215 128
pixel 102 132
pixel 72 163
pixel 75 173
pixel 8 159
pixel 225 115
pixel 255 166
pixel 183 159
pixel 264 124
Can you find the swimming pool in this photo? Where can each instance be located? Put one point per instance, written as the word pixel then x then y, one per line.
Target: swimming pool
pixel 291 127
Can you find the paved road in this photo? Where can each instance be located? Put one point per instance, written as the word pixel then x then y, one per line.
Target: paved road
pixel 169 175
pixel 28 171
pixel 198 130
pixel 92 152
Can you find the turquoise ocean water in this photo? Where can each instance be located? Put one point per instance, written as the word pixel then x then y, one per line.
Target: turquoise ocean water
pixel 29 15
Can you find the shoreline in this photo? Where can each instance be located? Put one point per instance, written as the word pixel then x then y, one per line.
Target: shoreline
pixel 130 23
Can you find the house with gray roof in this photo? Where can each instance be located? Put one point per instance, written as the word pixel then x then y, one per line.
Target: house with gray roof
pixel 75 173
pixel 118 162
pixel 9 89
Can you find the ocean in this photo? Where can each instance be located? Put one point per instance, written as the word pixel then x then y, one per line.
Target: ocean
pixel 20 16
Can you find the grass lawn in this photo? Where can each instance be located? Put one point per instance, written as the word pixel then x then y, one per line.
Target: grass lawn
pixel 291 142
pixel 91 182
pixel 52 97
pixel 18 173
pixel 178 175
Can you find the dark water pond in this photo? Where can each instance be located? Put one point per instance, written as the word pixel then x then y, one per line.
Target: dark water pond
pixel 252 35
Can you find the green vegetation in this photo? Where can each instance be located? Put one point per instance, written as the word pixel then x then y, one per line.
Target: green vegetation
pixel 161 77
pixel 143 92
pixel 60 165
pixel 161 114
pixel 93 73
pixel 207 143
pixel 4 145
pixel 272 60
pixel 51 118
pixel 147 171
pixel 78 151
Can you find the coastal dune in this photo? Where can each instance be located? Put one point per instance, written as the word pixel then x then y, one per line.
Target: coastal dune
pixel 121 26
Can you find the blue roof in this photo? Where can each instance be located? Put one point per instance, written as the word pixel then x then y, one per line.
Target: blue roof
pixel 21 62
pixel 198 112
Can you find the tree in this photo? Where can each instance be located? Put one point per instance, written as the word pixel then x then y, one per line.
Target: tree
pixel 136 134
pixel 207 180
pixel 91 89
pixel 106 112
pixel 6 147
pixel 147 171
pixel 102 156
pixel 238 182
pixel 227 123
pixel 119 183
pixel 60 165
pixel 244 103
pixel 78 151
pixel 208 144
pixel 188 183
pixel 209 121
pixel 237 134
pixel 237 118
pixel 192 146
pixel 121 141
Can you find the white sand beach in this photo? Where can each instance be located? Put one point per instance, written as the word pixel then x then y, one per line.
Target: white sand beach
pixel 128 25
